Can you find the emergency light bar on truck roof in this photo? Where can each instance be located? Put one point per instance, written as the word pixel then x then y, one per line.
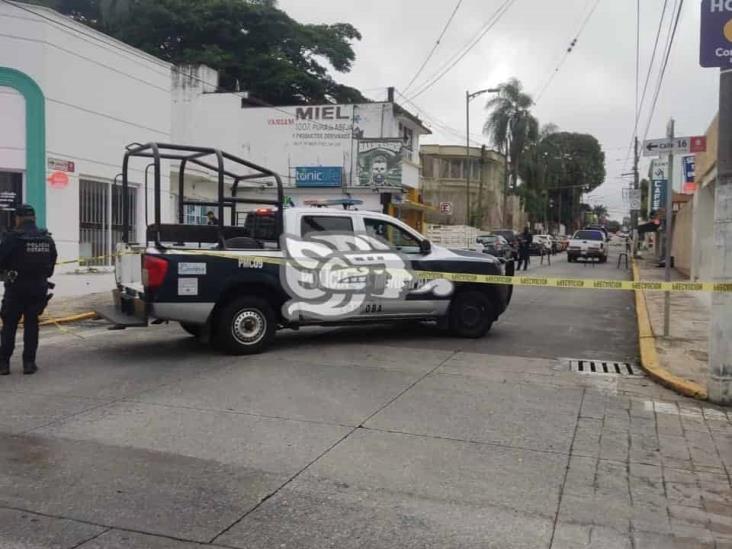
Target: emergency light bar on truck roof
pixel 224 165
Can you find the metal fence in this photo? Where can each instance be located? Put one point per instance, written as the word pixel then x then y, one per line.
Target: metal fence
pixel 100 203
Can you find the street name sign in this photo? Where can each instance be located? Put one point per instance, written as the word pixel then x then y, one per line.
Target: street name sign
pixel 716 34
pixel 675 145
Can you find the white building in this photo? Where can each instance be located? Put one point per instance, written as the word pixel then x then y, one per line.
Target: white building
pixel 72 98
pixel 319 151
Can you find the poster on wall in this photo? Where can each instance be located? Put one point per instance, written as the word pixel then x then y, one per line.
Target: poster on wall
pixel 380 162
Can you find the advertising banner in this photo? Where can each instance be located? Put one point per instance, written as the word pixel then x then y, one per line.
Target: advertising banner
pixel 318 176
pixel 689 168
pixel 380 162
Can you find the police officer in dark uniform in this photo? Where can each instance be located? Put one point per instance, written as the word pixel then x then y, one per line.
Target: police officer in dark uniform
pixel 27 258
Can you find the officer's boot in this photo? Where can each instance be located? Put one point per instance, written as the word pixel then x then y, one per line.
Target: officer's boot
pixel 29 368
pixel 4 367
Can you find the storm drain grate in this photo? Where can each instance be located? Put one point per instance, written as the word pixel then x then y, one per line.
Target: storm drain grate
pixel 603 367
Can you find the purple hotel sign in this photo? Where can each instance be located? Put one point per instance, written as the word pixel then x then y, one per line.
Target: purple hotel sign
pixel 716 34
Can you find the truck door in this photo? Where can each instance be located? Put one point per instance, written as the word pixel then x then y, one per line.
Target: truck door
pixel 408 244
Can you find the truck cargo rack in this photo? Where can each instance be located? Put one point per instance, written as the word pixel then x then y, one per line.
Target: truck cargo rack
pixel 241 174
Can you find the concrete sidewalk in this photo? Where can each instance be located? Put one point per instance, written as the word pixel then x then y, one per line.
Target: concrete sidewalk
pixel 685 352
pixel 77 293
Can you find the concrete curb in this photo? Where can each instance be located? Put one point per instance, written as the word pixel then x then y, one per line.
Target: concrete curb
pixel 649 357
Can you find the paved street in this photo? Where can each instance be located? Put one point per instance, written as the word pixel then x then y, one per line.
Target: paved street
pixel 376 437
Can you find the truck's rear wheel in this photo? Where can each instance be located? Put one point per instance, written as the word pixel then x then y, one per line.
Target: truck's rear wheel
pixel 245 326
pixel 193 329
pixel 471 314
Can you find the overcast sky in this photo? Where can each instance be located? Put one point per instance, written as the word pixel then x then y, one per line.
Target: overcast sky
pixel 594 92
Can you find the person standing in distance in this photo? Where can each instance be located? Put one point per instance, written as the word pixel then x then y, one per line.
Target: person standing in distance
pixel 525 240
pixel 28 256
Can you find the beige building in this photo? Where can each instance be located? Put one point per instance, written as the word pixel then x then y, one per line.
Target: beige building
pixel 444 180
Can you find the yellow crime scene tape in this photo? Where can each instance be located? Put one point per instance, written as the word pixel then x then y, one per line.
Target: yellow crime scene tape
pixel 535 281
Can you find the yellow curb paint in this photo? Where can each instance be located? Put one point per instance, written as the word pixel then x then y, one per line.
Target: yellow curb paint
pixel 649 357
pixel 67 319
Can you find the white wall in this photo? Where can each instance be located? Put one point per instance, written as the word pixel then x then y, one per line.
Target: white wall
pixel 100 95
pixel 703 233
pixel 12 130
pixel 276 139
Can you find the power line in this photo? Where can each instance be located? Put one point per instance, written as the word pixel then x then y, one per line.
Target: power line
pixel 434 48
pixel 569 50
pixel 663 67
pixel 453 62
pixel 639 106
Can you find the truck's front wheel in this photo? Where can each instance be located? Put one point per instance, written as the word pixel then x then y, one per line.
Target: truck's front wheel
pixel 471 314
pixel 245 326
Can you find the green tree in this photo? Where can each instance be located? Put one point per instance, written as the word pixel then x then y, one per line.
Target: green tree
pixel 254 45
pixel 575 165
pixel 510 126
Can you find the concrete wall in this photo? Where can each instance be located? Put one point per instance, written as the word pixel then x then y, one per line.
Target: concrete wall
pixel 703 233
pixel 100 95
pixel 703 223
pixel 682 238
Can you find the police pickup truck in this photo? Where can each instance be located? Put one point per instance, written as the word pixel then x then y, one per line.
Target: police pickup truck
pixel 273 267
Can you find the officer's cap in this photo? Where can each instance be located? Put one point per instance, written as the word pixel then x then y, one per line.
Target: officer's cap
pixel 25 210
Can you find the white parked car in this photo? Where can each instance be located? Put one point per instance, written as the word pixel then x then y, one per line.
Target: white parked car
pixel 586 244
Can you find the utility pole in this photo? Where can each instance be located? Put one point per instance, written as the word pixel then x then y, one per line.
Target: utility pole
pixel 720 340
pixel 467 157
pixel 483 169
pixel 468 98
pixel 634 213
pixel 669 231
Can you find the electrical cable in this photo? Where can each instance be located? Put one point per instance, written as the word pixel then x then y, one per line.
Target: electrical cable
pixel 663 68
pixel 434 48
pixel 453 61
pixel 639 106
pixel 569 50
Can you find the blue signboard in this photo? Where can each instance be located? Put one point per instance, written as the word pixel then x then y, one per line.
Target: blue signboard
pixel 716 34
pixel 658 194
pixel 689 168
pixel 318 176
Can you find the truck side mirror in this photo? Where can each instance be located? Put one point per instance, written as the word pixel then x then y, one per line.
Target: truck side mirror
pixel 425 247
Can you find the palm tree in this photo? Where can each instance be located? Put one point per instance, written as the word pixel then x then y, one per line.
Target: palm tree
pixel 511 126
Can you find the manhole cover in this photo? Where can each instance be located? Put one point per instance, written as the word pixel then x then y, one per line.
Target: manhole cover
pixel 603 367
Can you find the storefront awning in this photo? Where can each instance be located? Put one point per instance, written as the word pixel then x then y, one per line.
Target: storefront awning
pixel 650 227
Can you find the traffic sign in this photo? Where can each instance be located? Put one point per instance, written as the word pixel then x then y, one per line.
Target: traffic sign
pixel 446 208
pixel 675 145
pixel 635 199
pixel 716 34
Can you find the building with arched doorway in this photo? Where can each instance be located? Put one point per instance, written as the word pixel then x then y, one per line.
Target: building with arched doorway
pixel 70 100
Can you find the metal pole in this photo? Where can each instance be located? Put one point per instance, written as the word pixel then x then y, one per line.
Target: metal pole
pixel 467 157
pixel 720 342
pixel 634 213
pixel 669 229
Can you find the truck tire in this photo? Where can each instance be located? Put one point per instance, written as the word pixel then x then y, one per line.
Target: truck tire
pixel 471 314
pixel 193 329
pixel 245 326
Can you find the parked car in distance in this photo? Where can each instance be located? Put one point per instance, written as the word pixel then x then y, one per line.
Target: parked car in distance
pixel 562 242
pixel 541 244
pixel 496 246
pixel 511 236
pixel 588 244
